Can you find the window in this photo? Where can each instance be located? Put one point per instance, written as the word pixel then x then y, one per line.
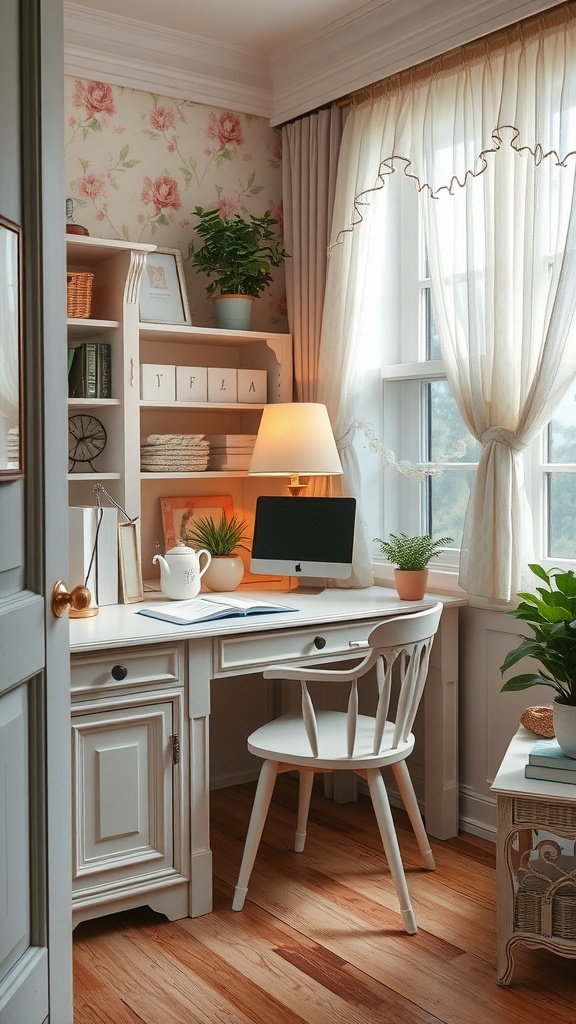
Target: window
pixel 420 421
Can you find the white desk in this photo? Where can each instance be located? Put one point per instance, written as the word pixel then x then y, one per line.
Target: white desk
pixel 232 647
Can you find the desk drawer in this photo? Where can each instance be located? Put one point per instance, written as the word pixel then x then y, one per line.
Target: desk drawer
pixel 123 669
pixel 252 653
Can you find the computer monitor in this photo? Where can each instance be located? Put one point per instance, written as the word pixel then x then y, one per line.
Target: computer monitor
pixel 309 538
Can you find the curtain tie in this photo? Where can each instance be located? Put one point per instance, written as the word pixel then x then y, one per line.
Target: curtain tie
pixel 346 439
pixel 503 436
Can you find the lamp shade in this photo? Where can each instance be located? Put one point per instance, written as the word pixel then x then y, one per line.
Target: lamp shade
pixel 295 438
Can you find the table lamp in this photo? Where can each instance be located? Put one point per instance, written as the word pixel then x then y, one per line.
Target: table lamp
pixel 295 439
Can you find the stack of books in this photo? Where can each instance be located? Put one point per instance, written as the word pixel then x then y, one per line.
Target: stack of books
pixel 90 373
pixel 548 762
pixel 230 452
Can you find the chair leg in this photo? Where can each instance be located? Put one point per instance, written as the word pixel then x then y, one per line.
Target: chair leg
pixel 304 797
pixel 406 789
pixel 391 848
pixel 264 791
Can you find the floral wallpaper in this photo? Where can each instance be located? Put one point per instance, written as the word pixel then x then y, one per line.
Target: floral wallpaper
pixel 137 164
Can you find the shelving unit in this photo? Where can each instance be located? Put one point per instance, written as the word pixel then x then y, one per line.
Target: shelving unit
pixel 117 267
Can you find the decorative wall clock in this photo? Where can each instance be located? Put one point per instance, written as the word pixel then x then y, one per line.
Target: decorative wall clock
pixel 86 439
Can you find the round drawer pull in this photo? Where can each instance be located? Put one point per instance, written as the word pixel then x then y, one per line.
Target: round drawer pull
pixel 119 672
pixel 319 642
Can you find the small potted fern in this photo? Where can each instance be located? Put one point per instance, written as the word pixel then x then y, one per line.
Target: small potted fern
pixel 410 556
pixel 221 538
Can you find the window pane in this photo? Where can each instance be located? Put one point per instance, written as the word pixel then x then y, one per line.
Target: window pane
pixel 446 428
pixel 562 430
pixel 432 345
pixel 561 505
pixel 448 495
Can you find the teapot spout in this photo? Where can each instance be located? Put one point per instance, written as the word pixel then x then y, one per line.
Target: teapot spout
pixel 164 567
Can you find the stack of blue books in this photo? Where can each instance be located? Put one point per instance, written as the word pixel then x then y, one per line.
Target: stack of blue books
pixel 548 762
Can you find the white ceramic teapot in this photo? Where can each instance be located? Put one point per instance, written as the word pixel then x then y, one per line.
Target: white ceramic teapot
pixel 180 571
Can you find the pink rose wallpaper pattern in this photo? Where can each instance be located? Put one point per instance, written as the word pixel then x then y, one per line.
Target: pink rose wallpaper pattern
pixel 137 164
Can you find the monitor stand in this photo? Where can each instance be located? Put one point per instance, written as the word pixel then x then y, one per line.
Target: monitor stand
pixel 308 584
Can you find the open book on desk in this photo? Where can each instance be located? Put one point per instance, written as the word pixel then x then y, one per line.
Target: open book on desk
pixel 203 609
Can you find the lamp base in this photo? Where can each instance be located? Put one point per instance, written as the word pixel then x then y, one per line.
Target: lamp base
pixel 296 488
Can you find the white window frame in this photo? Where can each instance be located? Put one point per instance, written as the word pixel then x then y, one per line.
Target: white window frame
pixel 401 408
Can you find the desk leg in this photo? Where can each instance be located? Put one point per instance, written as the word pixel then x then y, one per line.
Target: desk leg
pixel 199 672
pixel 441 731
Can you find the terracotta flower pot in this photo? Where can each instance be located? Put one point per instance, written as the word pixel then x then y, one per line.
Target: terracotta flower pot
pixel 411 583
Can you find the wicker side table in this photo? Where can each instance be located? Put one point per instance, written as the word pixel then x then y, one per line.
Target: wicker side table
pixel 535 860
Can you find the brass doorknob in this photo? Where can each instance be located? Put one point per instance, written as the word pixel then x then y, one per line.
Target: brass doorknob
pixel 78 600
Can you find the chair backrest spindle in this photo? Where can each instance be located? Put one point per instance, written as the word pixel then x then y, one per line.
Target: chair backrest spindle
pixel 398 648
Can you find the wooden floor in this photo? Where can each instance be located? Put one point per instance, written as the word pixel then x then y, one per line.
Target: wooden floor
pixel 320 939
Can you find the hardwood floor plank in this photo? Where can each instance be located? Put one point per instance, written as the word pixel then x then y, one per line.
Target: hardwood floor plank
pixel 320 940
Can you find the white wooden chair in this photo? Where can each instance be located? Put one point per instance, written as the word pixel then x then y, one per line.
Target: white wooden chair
pixel 329 741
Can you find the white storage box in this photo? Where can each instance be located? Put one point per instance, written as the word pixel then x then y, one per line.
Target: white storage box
pixel 222 385
pixel 158 382
pixel 252 386
pixel 103 579
pixel 191 384
pixel 230 462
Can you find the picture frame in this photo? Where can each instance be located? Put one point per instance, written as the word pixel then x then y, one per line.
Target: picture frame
pixel 178 513
pixel 11 386
pixel 131 586
pixel 163 298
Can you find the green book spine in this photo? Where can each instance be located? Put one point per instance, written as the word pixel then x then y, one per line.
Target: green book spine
pixel 103 371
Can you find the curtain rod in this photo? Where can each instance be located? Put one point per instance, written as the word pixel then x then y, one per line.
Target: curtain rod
pixel 476 49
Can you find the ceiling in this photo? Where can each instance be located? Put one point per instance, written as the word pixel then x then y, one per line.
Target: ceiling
pixel 273 58
pixel 263 26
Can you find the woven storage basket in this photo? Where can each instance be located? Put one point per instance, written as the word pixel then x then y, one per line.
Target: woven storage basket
pixel 79 294
pixel 528 909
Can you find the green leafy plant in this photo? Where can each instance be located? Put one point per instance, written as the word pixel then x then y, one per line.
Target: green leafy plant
pixel 411 553
pixel 220 537
pixel 239 253
pixel 551 615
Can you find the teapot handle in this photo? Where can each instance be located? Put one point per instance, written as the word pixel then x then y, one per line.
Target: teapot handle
pixel 203 551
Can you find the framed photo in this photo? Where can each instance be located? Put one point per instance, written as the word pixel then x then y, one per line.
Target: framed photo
pixel 163 298
pixel 179 515
pixel 130 563
pixel 11 411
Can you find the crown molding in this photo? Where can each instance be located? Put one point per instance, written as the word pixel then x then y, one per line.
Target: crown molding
pixel 141 56
pixel 379 40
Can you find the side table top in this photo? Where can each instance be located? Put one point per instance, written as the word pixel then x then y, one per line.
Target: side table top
pixel 510 778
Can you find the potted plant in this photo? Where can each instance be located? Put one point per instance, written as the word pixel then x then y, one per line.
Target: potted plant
pixel 410 556
pixel 551 616
pixel 221 538
pixel 239 254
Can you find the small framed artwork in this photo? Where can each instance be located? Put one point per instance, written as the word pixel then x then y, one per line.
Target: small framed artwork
pixel 163 298
pixel 129 563
pixel 179 515
pixel 11 411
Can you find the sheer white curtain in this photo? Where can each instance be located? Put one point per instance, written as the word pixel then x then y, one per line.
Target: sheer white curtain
pixel 491 146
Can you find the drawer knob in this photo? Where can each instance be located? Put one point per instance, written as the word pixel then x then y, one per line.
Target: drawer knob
pixel 319 642
pixel 119 672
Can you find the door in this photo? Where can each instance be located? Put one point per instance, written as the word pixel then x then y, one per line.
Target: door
pixel 35 915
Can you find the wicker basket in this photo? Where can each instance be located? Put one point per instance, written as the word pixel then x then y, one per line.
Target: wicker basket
pixel 79 294
pixel 529 910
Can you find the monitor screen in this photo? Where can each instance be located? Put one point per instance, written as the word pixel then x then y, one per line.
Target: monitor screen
pixel 304 537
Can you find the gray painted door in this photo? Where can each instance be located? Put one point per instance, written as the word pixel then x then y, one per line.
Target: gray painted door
pixel 35 925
